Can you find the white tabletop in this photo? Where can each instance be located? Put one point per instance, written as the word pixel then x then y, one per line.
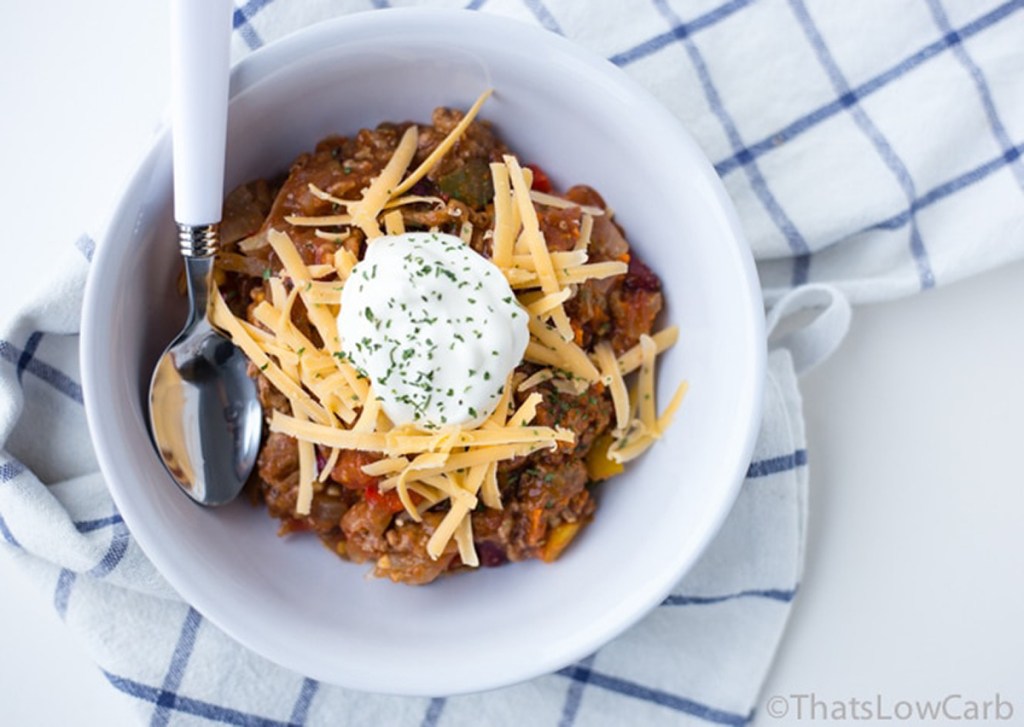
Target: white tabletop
pixel 913 586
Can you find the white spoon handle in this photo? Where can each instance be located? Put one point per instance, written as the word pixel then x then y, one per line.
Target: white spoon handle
pixel 200 36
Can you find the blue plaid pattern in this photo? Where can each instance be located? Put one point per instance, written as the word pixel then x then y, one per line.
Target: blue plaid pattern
pixel 25 361
pixel 112 561
pixel 170 705
pixel 167 701
pixel 796 240
pixel 692 59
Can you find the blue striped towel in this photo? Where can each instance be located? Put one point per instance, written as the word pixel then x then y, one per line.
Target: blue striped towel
pixel 872 148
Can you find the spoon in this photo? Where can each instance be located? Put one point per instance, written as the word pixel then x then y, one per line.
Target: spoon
pixel 204 409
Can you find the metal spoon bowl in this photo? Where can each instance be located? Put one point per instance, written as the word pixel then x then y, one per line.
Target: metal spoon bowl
pixel 204 409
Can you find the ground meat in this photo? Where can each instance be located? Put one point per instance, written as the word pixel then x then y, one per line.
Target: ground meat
pixel 551 488
pixel 363 525
pixel 349 469
pixel 640 277
pixel 326 512
pixel 245 209
pixel 633 312
pixel 561 227
pixel 406 560
pixel 539 498
pixel 620 308
pixel 479 142
pixel 606 239
pixel 328 509
pixel 588 310
pixel 270 398
pixel 278 467
pixel 546 495
pixel 546 489
pixel 278 470
pixel 587 415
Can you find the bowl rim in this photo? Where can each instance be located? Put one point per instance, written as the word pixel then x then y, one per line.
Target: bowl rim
pixel 276 55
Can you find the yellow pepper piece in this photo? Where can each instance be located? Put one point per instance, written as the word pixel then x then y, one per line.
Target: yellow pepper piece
pixel 599 467
pixel 559 538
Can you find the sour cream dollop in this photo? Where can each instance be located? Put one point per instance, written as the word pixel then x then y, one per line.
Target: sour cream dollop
pixel 435 326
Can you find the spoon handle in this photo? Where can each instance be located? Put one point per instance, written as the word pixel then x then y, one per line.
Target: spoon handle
pixel 200 37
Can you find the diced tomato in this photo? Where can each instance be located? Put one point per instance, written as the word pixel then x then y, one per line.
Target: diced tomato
pixel 541 182
pixel 641 277
pixel 291 525
pixel 385 500
pixel 348 472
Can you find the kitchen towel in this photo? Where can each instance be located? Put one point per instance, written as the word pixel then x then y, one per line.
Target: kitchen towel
pixel 874 147
pixel 701 656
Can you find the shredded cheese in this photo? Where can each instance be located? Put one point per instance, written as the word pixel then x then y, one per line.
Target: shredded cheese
pixel 506 217
pixel 367 421
pixel 586 230
pixel 334 407
pixel 645 384
pixel 537 245
pixel 663 340
pixel 254 242
pixel 320 271
pixel 550 200
pixel 665 418
pixel 225 320
pixel 573 357
pixel 535 379
pixel 321 221
pixel 383 188
pixel 329 465
pixel 464 540
pixel 519 278
pixel 344 220
pixel 482 455
pixel 443 148
pixel 457 515
pixel 344 261
pixel 490 493
pixel 394 223
pixel 540 354
pixel 320 293
pixel 560 260
pixel 616 384
pixel 548 302
pixel 321 194
pixel 389 466
pixel 289 256
pixel 497 418
pixel 648 427
pixel 395 445
pixel 307 474
pixel 526 411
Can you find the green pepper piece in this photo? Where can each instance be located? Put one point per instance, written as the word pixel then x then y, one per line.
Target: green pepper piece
pixel 471 183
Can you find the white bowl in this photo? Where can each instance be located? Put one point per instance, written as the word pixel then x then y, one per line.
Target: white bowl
pixel 584 121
